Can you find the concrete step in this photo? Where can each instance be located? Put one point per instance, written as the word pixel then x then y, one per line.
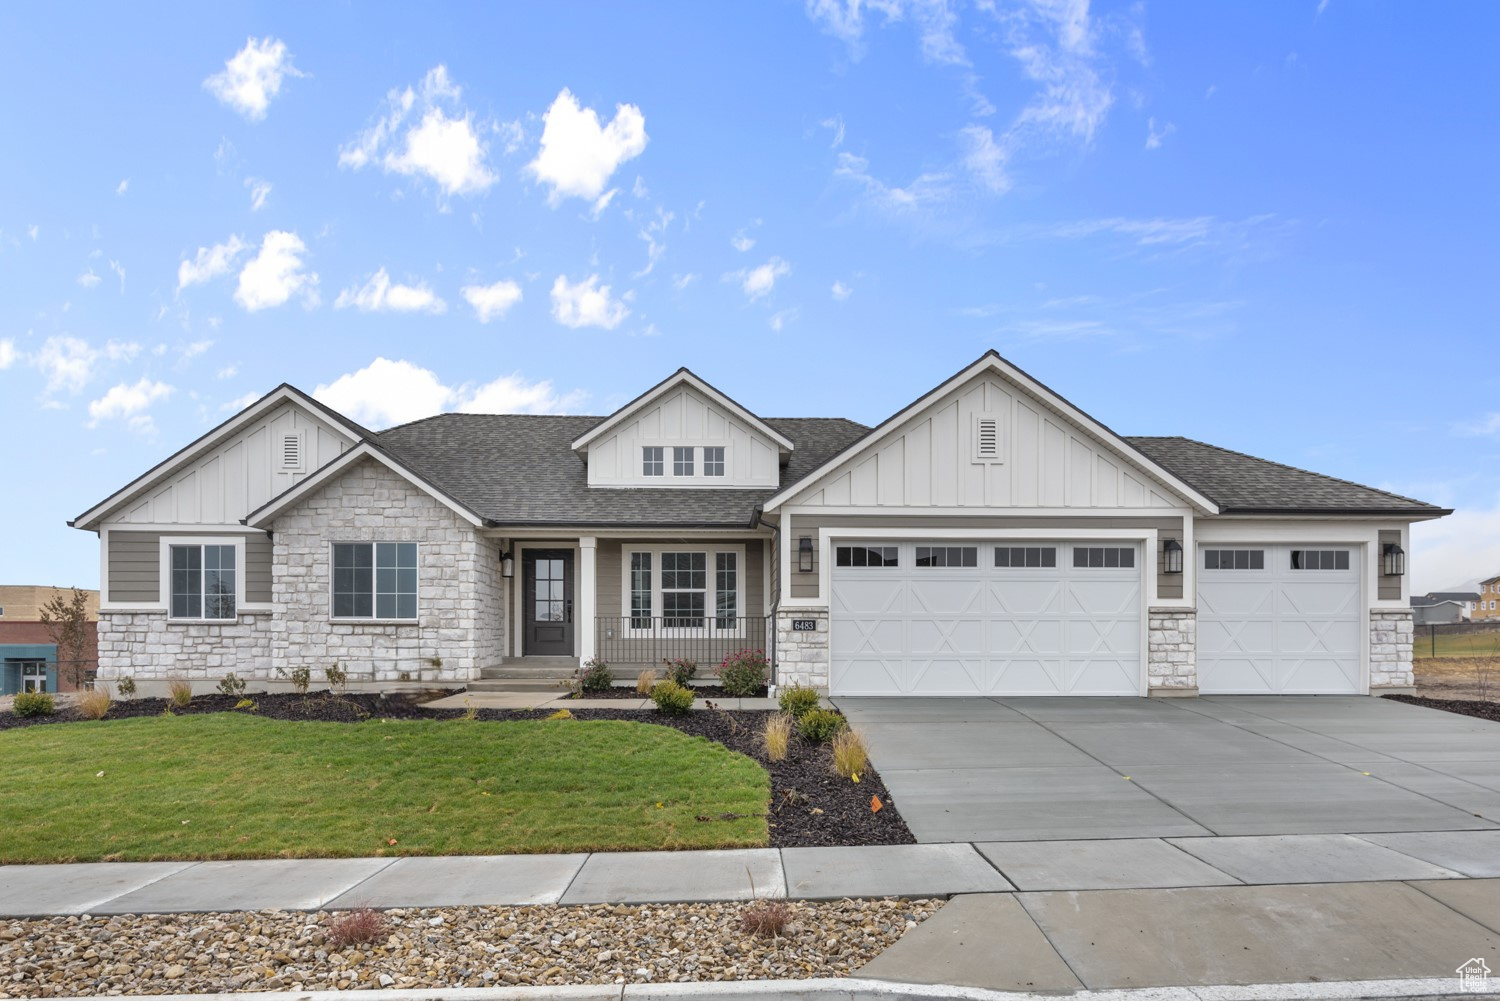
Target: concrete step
pixel 527 671
pixel 540 686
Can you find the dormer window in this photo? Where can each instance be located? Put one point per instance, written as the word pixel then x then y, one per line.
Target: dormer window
pixel 682 462
pixel 653 462
pixel 713 460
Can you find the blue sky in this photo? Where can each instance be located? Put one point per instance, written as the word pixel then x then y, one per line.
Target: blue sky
pixel 1267 226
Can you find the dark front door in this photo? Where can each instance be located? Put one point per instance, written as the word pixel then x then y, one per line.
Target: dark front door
pixel 549 602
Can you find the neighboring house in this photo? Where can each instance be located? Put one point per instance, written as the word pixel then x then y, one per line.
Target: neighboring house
pixel 1488 606
pixel 988 538
pixel 28 654
pixel 1428 610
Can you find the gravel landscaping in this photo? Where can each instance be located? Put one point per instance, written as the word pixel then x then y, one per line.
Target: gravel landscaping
pixel 1464 707
pixel 443 948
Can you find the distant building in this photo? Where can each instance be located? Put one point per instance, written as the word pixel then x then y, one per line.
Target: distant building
pixel 28 654
pixel 1488 604
pixel 1428 610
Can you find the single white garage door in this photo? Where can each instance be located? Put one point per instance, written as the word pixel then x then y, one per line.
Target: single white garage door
pixel 1274 619
pixel 920 618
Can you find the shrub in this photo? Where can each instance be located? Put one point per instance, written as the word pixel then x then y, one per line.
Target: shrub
pixel 595 675
pixel 93 704
pixel 849 755
pixel 125 686
pixel 672 698
pixel 179 692
pixel 681 671
pixel 819 725
pixel 34 704
pixel 337 678
pixel 778 735
pixel 766 918
pixel 231 686
pixel 300 677
pixel 797 701
pixel 645 681
pixel 360 926
pixel 743 672
pixel 471 711
pixel 249 705
pixel 561 714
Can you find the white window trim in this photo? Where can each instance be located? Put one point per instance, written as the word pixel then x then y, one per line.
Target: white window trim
pixel 669 473
pixel 710 603
pixel 372 620
pixel 164 561
pixel 652 477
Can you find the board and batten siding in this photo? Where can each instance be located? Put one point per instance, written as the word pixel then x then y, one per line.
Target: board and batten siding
pixel 1044 461
pixel 238 476
pixel 1388 588
pixel 134 561
pixel 805 585
pixel 684 418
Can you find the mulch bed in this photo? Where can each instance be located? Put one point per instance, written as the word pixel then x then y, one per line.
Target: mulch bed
pixel 702 691
pixel 1464 707
pixel 811 806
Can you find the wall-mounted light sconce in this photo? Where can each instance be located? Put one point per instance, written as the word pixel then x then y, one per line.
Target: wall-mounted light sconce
pixel 1171 556
pixel 507 565
pixel 805 554
pixel 1394 558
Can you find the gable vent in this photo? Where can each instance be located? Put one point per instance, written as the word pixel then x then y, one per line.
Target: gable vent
pixel 291 451
pixel 987 439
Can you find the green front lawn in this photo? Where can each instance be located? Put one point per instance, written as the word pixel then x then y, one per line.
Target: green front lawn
pixel 237 786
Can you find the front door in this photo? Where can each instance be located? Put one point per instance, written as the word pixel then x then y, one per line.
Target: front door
pixel 548 598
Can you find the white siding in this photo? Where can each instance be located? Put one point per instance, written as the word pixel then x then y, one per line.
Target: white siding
pixel 684 418
pixel 1045 462
pixel 238 476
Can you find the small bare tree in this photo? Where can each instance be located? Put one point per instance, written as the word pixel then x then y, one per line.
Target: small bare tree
pixel 67 620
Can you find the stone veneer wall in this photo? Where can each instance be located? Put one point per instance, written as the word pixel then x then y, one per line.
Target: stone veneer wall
pixel 146 647
pixel 1172 651
pixel 460 619
pixel 1391 633
pixel 802 657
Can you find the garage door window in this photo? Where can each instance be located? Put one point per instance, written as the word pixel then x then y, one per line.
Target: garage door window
pixel 1025 556
pixel 947 556
pixel 1234 559
pixel 1103 556
pixel 1320 559
pixel 865 556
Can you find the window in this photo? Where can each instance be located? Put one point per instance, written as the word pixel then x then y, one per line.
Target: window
pixel 1320 559
pixel 684 587
pixel 865 556
pixel 726 590
pixel 947 556
pixel 1234 559
pixel 682 461
pixel 713 460
pixel 640 590
pixel 652 463
pixel 202 582
pixel 1103 556
pixel 33 675
pixel 1025 556
pixel 375 580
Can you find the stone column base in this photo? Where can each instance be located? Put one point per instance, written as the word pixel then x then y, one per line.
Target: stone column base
pixel 1173 693
pixel 1378 690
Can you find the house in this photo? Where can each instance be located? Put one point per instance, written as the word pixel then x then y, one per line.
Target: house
pixel 29 659
pixel 1431 611
pixel 987 538
pixel 1487 608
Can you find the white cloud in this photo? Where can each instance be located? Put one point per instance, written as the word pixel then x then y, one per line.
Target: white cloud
pixel 841 291
pixel 427 133
pixel 119 269
pixel 276 274
pixel 741 242
pixel 209 262
pixel 780 320
pixel 602 202
pixel 1155 136
pixel 492 302
pixel 129 403
pixel 845 19
pixel 88 279
pixel 1487 425
pixel 259 190
pixel 227 372
pixel 33 231
pixel 680 282
pixel 1053 40
pixel 195 348
pixel 586 304
pixel 252 77
pixel 8 354
pixel 68 362
pixel 577 155
pixel 652 233
pixel 836 126
pixel 381 295
pixel 241 402
pixel 985 159
pixel 122 187
pixel 926 189
pixel 638 189
pixel 388 392
pixel 759 281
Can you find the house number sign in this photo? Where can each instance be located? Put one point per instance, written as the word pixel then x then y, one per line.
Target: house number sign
pixel 804 625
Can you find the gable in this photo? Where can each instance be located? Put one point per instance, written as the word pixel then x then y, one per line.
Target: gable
pixel 988 442
pixel 684 417
pixel 237 474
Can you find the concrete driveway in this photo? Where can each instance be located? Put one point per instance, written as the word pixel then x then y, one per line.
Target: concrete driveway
pixel 1046 769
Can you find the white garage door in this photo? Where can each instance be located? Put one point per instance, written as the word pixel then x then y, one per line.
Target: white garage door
pixel 1278 619
pixel 920 618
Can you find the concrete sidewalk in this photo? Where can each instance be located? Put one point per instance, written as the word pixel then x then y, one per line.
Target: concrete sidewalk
pixel 932 870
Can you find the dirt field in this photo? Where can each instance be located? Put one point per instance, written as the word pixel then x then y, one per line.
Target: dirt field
pixel 1456 677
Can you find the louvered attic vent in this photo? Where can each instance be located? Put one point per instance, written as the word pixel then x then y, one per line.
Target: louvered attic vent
pixel 291 451
pixel 987 439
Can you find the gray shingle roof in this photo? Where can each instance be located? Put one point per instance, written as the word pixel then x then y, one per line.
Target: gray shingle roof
pixel 518 469
pixel 1243 484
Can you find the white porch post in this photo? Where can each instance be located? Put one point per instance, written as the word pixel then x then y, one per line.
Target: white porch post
pixel 588 549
